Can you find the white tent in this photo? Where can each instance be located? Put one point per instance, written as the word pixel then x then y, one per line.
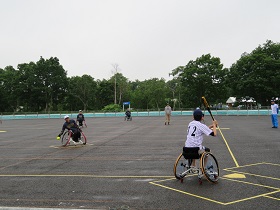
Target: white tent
pixel 231 100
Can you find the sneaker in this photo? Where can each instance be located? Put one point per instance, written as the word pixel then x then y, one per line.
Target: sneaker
pixel 81 142
pixel 168 123
pixel 165 123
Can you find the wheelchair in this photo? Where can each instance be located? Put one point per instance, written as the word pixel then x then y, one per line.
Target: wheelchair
pixel 67 135
pixel 208 165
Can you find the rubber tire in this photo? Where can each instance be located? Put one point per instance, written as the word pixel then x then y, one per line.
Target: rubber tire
pixel 180 161
pixel 214 163
pixel 65 138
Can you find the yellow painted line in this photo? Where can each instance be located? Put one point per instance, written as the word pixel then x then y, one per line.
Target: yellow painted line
pixel 267 177
pixel 77 175
pixel 186 193
pixel 250 183
pixel 164 180
pixel 219 202
pixel 237 165
pixel 273 164
pixel 235 176
pixel 250 198
pixel 254 164
pixel 278 199
pixel 224 128
pixel 3 131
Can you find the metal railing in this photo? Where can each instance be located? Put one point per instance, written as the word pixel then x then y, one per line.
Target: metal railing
pixel 135 113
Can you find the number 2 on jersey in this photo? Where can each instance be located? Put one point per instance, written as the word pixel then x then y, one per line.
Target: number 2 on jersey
pixel 193 132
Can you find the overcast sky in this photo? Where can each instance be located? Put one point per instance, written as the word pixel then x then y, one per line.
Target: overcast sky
pixel 146 38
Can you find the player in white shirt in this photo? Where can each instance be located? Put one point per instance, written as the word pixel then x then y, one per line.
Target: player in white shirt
pixel 196 130
pixel 274 113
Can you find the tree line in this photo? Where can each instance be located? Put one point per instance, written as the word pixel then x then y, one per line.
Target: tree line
pixel 44 86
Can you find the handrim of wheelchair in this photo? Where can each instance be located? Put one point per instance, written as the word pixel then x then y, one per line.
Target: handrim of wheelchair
pixel 205 165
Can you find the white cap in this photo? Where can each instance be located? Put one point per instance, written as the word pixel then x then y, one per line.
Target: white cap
pixel 80 110
pixel 66 116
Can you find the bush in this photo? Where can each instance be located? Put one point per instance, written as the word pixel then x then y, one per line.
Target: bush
pixel 112 108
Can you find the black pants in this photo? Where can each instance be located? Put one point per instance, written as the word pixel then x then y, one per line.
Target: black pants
pixel 76 135
pixel 80 122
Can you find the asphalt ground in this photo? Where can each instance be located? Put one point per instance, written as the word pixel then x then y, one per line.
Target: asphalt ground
pixel 129 165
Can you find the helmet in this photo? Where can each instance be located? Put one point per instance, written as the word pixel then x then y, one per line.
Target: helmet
pixel 66 116
pixel 197 114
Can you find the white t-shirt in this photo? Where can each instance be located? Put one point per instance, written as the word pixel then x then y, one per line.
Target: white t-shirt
pixel 274 109
pixel 167 110
pixel 196 129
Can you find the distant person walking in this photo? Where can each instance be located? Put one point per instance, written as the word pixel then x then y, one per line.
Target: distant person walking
pixel 167 110
pixel 274 113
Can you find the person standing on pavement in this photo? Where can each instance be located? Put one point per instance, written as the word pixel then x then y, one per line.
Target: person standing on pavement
pixel 274 113
pixel 168 111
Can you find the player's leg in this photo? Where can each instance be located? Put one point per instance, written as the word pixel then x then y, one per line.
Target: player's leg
pixel 168 118
pixel 275 120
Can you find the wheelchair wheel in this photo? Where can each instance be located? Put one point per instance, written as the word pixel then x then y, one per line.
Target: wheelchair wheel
pixel 65 139
pixel 180 166
pixel 209 166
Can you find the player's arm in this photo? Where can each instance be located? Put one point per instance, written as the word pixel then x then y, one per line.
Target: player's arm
pixel 62 130
pixel 214 128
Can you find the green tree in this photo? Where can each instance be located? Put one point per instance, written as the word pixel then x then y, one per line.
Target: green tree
pixel 122 86
pixel 83 89
pixel 149 94
pixel 256 74
pixel 203 77
pixel 10 89
pixel 42 84
pixel 104 94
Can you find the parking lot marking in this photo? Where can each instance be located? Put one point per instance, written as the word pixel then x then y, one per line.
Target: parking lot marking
pixel 187 193
pixel 250 183
pixel 278 199
pixel 230 152
pixel 267 177
pixel 251 174
pixel 276 190
pixel 3 131
pixel 254 164
pixel 250 198
pixel 235 176
pixel 229 177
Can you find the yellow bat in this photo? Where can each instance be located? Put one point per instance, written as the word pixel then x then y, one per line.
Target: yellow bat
pixel 207 106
